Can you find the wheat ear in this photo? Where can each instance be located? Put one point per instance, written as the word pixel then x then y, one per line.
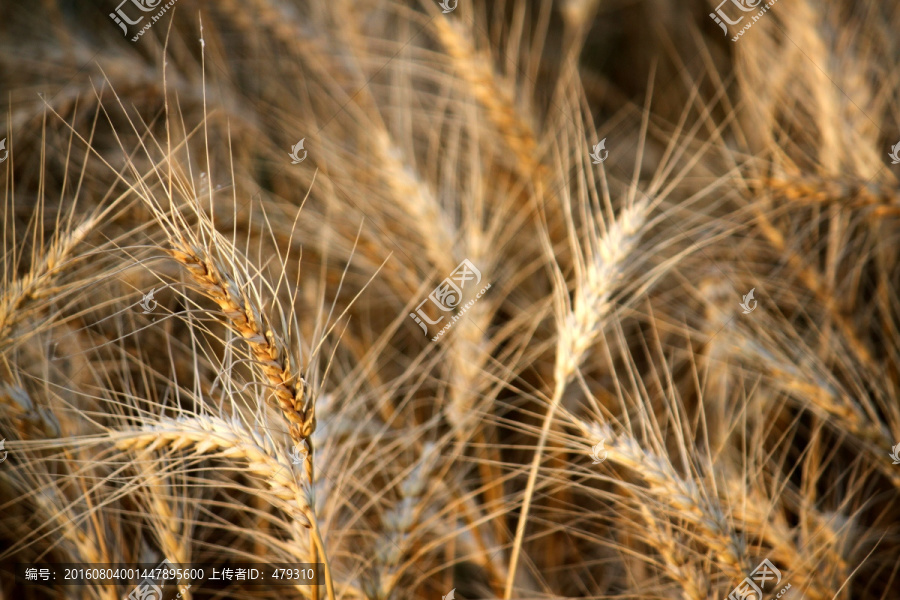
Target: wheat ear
pixel 682 495
pixel 597 275
pixel 482 80
pixel 37 281
pixel 212 434
pixel 694 583
pixel 245 318
pixel 208 434
pixel 688 501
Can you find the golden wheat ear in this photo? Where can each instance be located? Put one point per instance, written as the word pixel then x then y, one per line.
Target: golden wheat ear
pixel 245 316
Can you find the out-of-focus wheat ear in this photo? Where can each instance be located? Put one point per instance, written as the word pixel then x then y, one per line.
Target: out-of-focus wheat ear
pixel 812 279
pixel 21 297
pixel 422 211
pixel 87 537
pixel 695 584
pixel 481 544
pixel 683 497
pixel 32 419
pixel 811 386
pixel 171 528
pixel 812 553
pixel 579 16
pixel 813 524
pixel 882 199
pixel 400 523
pixel 484 85
pixel 473 386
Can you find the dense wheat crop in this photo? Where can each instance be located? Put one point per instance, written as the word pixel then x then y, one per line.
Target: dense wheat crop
pixel 456 299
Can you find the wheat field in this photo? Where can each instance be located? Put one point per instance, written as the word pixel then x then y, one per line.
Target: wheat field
pixel 457 299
